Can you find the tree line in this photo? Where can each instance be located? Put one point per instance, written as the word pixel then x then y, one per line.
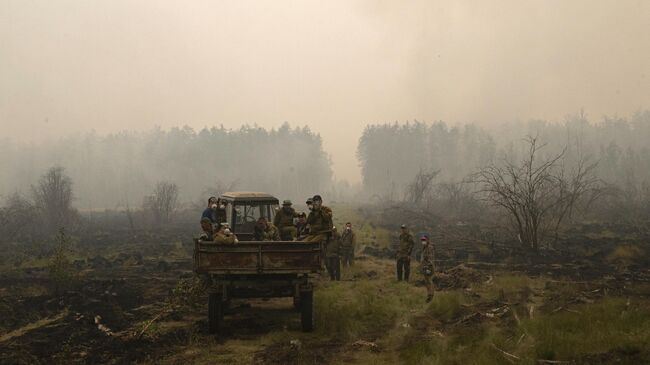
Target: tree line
pixel 531 178
pixel 392 154
pixel 121 170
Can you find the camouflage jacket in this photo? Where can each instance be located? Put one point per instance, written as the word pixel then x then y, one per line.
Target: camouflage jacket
pixel 271 233
pixel 428 256
pixel 406 244
pixel 348 240
pixel 284 218
pixel 225 238
pixel 320 221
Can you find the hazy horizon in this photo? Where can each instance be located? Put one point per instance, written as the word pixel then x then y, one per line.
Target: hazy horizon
pixel 76 66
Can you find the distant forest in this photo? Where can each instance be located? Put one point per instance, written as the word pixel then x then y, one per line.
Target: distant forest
pixel 119 170
pixel 392 154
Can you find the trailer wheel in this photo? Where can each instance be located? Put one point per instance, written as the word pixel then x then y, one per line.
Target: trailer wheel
pixel 215 313
pixel 307 311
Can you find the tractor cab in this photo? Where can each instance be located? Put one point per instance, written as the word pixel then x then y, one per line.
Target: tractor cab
pixel 243 209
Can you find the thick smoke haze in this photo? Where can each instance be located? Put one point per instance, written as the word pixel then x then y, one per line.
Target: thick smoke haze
pixel 68 67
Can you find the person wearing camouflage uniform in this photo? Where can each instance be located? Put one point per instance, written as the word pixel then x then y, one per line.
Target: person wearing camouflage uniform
pixel 404 251
pixel 333 255
pixel 348 245
pixel 265 231
pixel 284 221
pixel 224 235
pixel 320 221
pixel 427 265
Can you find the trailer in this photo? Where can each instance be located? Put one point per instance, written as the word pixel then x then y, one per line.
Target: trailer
pixel 256 269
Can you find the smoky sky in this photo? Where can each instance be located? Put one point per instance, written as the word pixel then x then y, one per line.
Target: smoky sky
pixel 69 67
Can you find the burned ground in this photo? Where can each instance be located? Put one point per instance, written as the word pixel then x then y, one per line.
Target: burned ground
pixel 134 300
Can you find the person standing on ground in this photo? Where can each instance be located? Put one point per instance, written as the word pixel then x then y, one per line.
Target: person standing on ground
pixel 404 251
pixel 427 265
pixel 348 245
pixel 333 255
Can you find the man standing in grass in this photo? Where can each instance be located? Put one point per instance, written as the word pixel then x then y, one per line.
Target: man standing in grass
pixel 404 251
pixel 348 243
pixel 426 266
pixel 333 255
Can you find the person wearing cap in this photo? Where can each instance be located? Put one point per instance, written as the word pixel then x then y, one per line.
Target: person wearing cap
pixel 404 251
pixel 348 244
pixel 224 235
pixel 427 265
pixel 320 221
pixel 333 255
pixel 283 220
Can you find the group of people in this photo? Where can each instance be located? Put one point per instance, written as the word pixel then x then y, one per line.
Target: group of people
pixel 214 225
pixel 289 225
pixel 404 253
pixel 339 251
pixel 318 226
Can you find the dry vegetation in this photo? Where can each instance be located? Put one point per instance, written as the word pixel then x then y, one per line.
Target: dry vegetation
pixel 134 299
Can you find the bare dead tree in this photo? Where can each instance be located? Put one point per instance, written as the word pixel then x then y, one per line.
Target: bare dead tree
pixel 53 196
pixel 420 188
pixel 577 185
pixel 163 202
pixel 537 193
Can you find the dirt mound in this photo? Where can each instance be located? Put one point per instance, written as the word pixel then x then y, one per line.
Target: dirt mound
pixel 459 276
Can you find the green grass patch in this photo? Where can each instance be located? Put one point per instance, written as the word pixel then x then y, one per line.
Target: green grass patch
pixel 350 310
pixel 446 306
pixel 596 328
